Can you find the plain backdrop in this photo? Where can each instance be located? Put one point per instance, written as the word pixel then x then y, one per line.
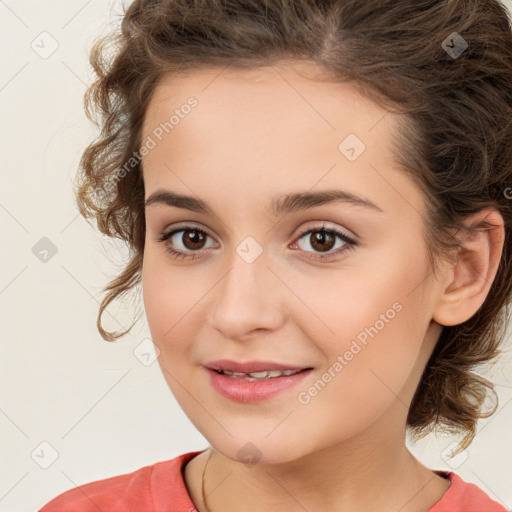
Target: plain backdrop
pixel 73 407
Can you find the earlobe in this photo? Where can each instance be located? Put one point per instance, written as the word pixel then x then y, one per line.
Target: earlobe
pixel 470 278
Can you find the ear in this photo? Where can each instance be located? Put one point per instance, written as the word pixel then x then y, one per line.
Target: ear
pixel 466 284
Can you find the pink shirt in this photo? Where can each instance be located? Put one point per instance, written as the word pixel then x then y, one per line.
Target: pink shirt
pixel 161 488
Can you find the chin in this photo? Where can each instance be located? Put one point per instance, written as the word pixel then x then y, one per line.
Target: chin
pixel 256 449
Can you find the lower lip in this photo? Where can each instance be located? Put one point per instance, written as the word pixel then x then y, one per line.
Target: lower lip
pixel 255 391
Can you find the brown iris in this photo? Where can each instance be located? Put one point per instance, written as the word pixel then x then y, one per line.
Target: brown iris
pixel 196 239
pixel 320 238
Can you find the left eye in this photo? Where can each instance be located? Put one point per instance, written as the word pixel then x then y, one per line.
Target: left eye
pixel 324 240
pixel 193 241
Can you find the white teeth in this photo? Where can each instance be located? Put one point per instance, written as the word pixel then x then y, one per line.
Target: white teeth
pixel 290 372
pixel 252 376
pixel 259 375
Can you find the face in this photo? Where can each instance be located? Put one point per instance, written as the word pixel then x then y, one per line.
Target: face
pixel 353 302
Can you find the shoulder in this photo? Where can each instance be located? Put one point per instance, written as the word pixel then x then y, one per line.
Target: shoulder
pixel 150 488
pixel 464 496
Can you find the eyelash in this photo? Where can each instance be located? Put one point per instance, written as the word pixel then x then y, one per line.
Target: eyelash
pixel 349 242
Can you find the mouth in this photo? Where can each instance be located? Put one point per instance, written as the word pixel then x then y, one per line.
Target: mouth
pixel 258 376
pixel 255 386
pixel 231 367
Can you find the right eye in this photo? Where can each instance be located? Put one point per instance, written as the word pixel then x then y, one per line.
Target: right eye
pixel 192 239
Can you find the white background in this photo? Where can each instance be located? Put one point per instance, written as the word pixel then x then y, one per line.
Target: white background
pixel 94 402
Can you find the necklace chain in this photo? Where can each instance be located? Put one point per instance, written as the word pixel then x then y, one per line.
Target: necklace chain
pixel 202 482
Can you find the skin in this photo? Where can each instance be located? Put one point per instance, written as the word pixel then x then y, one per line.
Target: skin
pixel 255 135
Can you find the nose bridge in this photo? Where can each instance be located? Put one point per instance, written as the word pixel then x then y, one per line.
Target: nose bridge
pixel 243 301
pixel 249 258
pixel 249 272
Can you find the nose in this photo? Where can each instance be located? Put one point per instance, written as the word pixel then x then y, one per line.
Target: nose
pixel 249 297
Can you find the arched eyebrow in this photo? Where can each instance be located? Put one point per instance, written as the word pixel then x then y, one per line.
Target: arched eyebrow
pixel 279 205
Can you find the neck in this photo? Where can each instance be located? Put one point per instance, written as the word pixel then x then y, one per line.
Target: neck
pixel 360 475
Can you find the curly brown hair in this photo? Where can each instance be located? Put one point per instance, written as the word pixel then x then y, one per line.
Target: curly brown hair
pixel 446 65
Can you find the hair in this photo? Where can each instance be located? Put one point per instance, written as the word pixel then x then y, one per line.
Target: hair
pixel 454 135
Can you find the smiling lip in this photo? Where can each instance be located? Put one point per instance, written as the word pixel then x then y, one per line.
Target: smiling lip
pixel 246 391
pixel 251 366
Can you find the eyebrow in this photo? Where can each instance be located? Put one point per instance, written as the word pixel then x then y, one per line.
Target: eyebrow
pixel 278 206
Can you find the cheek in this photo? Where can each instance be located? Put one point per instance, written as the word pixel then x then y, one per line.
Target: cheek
pixel 169 294
pixel 343 303
pixel 374 317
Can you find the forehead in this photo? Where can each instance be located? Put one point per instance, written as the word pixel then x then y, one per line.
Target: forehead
pixel 244 116
pixel 273 127
pixel 299 89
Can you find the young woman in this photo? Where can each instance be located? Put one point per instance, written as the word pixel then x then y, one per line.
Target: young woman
pixel 317 199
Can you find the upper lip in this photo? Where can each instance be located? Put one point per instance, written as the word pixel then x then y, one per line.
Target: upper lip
pixel 251 366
